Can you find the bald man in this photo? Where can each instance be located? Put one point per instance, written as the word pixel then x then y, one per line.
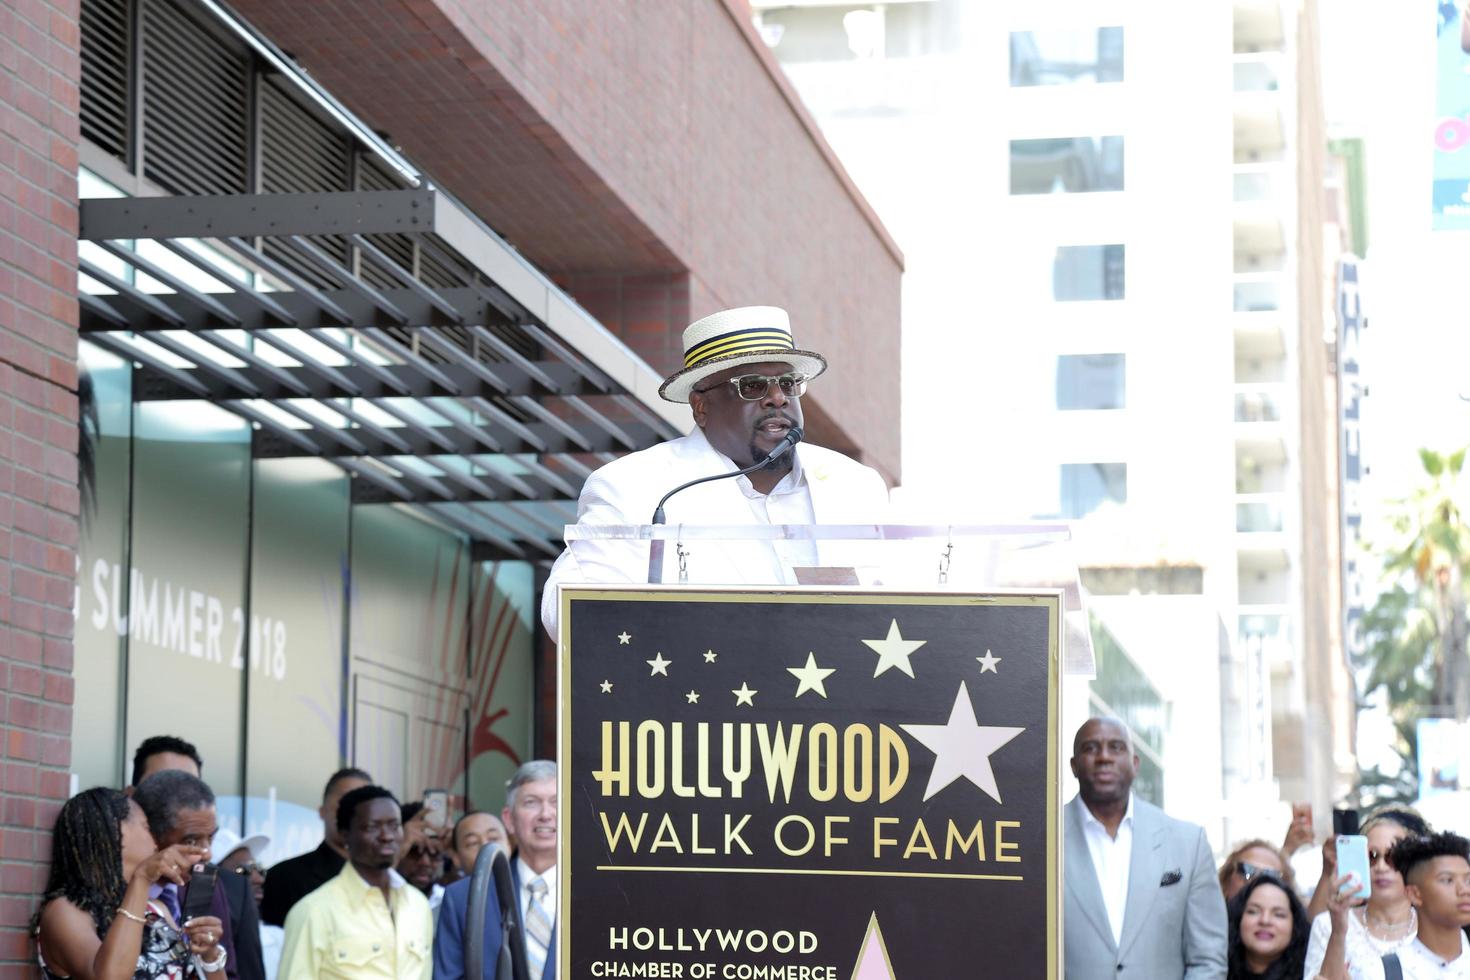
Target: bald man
pixel 1142 899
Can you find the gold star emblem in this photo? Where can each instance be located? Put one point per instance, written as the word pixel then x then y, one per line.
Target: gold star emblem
pixel 811 676
pixel 744 695
pixel 606 687
pixel 709 656
pixel 624 637
pixel 659 665
pixel 894 651
pixel 692 697
pixel 988 662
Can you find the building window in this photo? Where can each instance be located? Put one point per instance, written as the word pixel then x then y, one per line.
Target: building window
pixel 1064 57
pixel 1087 486
pixel 1068 165
pixel 1091 381
pixel 1085 272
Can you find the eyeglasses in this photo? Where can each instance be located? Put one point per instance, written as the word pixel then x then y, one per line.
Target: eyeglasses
pixel 753 387
pixel 1375 856
pixel 250 869
pixel 1247 871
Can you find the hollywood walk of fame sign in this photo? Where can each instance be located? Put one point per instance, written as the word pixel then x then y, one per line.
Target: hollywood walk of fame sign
pixel 823 784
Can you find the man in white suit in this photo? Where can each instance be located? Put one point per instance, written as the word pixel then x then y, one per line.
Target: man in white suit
pixel 743 378
pixel 1142 897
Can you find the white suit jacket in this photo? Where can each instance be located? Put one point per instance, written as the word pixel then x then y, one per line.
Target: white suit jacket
pixel 627 490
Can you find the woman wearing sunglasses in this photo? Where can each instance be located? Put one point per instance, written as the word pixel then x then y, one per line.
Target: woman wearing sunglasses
pixel 1247 861
pixel 1349 940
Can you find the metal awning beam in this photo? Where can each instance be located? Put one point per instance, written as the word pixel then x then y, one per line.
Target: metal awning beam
pixel 246 311
pixel 373 381
pixel 252 215
pixel 410 442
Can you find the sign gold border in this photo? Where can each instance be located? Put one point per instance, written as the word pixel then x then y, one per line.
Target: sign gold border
pixel 1052 599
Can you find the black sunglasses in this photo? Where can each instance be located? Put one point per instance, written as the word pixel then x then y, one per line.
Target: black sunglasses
pixel 1247 871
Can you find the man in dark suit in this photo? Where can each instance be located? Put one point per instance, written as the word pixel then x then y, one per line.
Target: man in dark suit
pixel 1142 898
pixel 169 753
pixel 292 880
pixel 530 815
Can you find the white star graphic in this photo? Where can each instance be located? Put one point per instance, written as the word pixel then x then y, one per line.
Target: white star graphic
pixel 659 665
pixel 624 637
pixel 709 656
pixel 692 697
pixel 606 687
pixel 744 695
pixel 811 676
pixel 894 651
pixel 962 747
pixel 988 662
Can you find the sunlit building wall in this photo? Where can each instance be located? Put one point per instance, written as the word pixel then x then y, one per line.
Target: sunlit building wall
pixel 1098 205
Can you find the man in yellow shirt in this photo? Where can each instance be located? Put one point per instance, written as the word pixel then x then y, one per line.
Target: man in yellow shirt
pixel 367 922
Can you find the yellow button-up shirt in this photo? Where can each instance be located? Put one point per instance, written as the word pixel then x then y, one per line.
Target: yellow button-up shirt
pixel 346 930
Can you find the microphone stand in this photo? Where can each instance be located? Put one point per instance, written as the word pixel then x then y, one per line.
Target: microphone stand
pixel 656 546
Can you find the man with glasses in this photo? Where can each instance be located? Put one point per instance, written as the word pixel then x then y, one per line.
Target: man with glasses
pixel 743 379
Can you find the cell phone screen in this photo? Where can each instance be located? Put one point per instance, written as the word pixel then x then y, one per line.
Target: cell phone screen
pixel 1344 823
pixel 436 808
pixel 199 895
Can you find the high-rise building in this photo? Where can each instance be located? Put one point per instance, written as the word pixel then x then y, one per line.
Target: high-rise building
pixel 1114 315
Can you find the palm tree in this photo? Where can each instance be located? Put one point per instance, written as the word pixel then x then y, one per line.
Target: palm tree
pixel 1434 554
pixel 1400 637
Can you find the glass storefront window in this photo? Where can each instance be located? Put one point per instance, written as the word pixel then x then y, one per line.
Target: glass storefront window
pixel 1088 272
pixel 1067 165
pixel 1091 381
pixel 1066 57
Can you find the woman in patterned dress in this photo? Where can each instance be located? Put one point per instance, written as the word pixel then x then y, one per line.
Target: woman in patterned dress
pixel 99 919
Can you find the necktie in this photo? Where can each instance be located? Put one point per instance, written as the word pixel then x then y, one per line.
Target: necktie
pixel 538 927
pixel 169 896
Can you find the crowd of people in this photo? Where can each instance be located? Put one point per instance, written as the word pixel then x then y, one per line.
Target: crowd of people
pixel 145 884
pixel 1143 898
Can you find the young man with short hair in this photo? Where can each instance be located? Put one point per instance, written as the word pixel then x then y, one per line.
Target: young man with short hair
pixel 367 922
pixel 1436 872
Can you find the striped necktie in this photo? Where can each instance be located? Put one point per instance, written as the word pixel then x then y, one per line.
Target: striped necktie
pixel 538 927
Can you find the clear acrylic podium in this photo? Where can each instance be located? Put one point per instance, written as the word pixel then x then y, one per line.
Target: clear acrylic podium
pixel 898 557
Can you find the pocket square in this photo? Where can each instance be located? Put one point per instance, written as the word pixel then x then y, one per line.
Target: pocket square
pixel 1170 878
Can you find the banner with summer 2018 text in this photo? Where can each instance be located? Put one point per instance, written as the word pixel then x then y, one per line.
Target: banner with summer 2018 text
pixel 823 785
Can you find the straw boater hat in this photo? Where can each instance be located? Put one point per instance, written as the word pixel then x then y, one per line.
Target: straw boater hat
pixel 744 335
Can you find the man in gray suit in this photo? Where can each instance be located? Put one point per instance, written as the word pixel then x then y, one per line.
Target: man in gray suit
pixel 1142 897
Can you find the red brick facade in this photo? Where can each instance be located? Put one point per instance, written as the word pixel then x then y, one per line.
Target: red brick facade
pixel 650 156
pixel 38 443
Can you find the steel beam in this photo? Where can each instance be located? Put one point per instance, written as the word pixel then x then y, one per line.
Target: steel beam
pixel 251 215
pixel 408 442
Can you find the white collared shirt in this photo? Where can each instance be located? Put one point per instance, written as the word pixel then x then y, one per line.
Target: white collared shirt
pixel 549 876
pixel 1111 857
pixel 789 502
pixel 1422 963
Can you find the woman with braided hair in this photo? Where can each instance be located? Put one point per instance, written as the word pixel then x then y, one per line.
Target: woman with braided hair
pixel 99 919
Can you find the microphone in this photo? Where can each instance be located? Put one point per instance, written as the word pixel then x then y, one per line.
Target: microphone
pixel 656 548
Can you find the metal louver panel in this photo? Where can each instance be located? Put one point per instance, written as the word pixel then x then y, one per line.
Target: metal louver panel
pixel 195 95
pixel 373 177
pixel 299 154
pixel 104 115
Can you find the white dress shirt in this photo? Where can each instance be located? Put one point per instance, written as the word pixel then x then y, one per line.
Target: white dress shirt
pixel 789 502
pixel 1111 857
pixel 1422 963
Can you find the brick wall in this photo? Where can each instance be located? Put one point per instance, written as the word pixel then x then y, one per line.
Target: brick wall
pixel 38 441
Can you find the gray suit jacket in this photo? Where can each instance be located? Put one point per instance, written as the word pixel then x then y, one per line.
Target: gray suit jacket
pixel 1174 925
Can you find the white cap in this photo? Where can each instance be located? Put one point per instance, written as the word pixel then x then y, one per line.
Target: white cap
pixel 227 842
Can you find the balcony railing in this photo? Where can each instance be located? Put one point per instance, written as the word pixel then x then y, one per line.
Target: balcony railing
pixel 1256 295
pixel 1257 73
